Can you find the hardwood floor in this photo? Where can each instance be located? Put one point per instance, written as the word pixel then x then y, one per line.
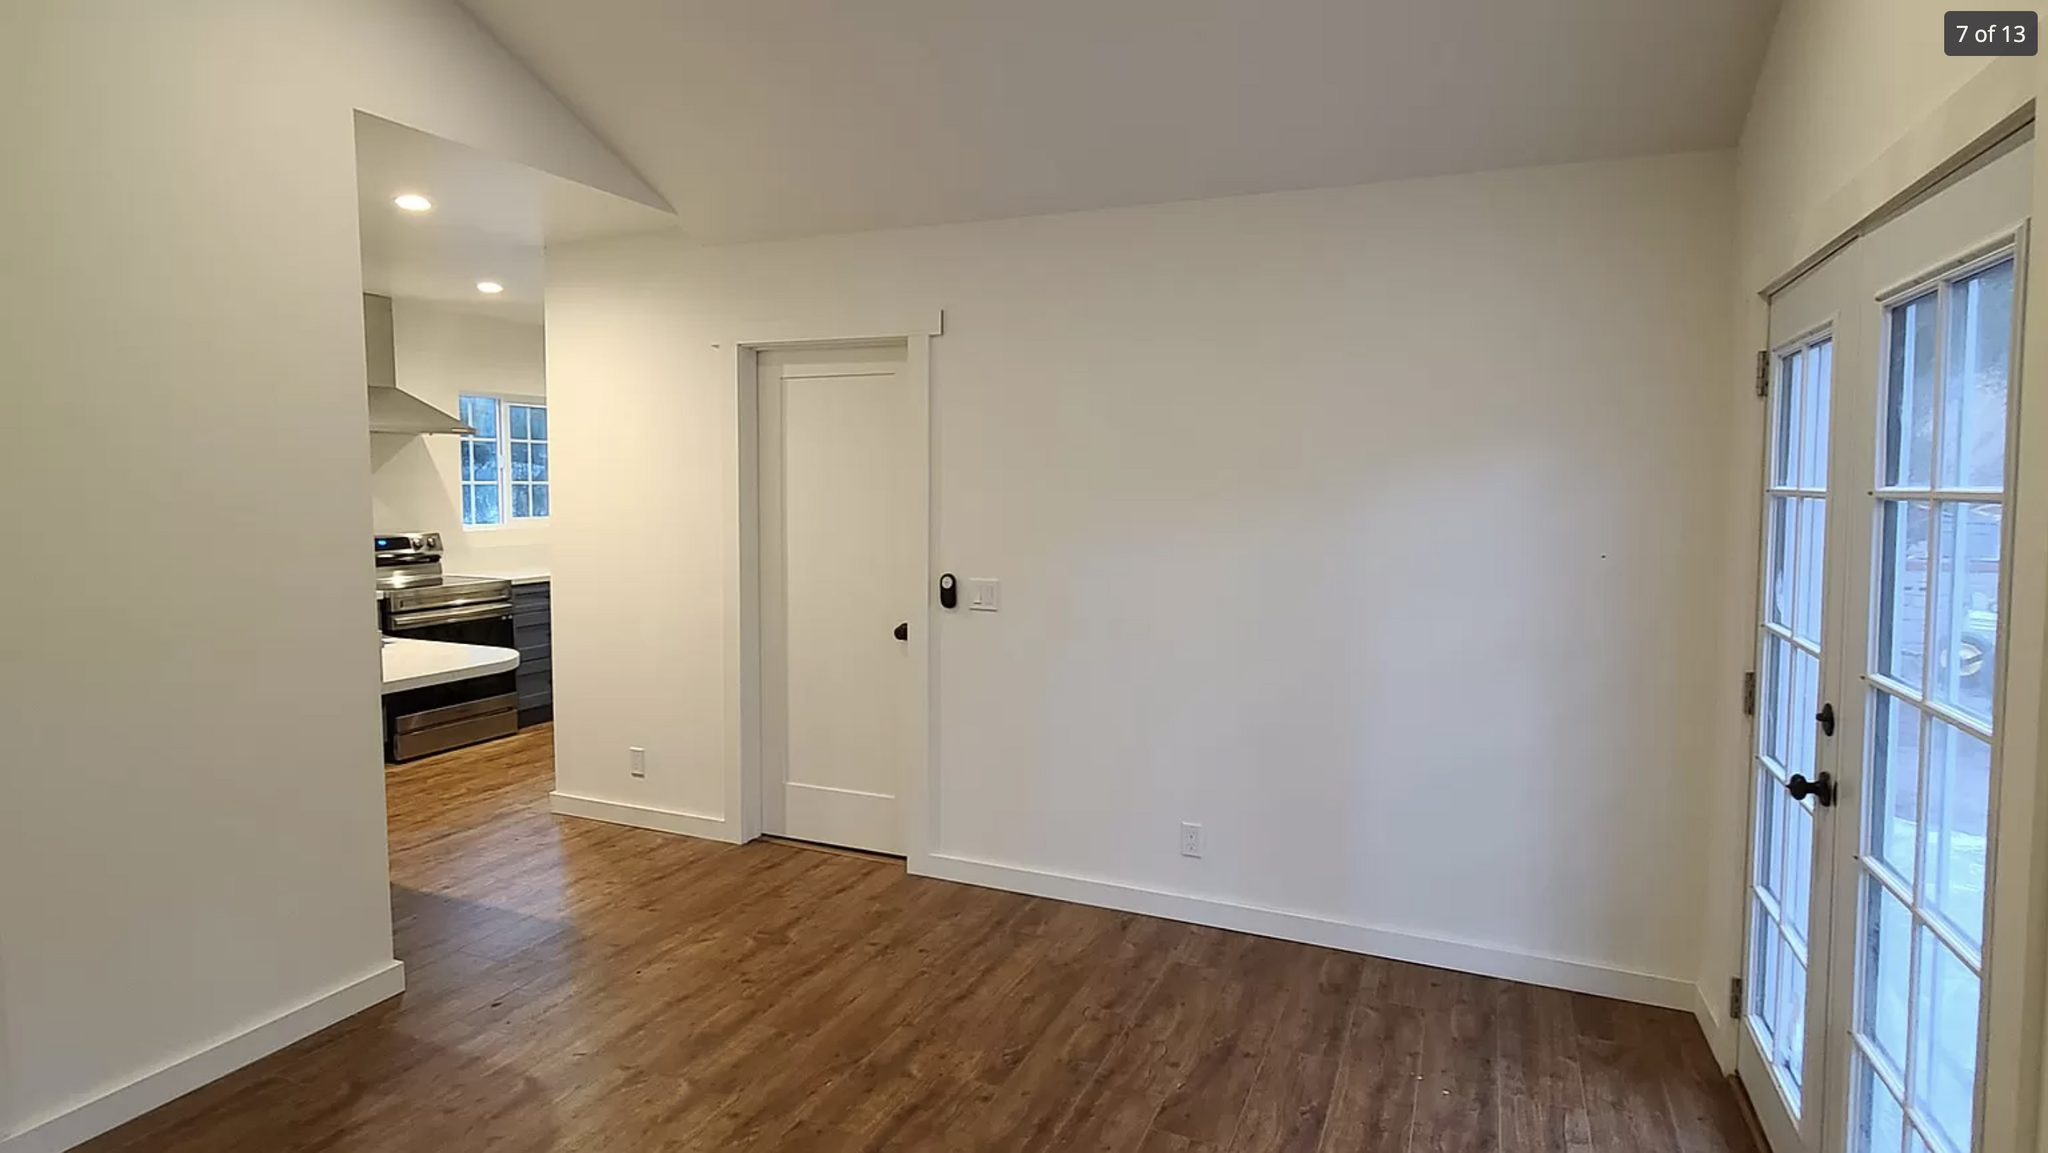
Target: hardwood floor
pixel 579 986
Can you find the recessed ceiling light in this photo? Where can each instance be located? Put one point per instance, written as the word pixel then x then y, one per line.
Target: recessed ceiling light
pixel 489 287
pixel 412 202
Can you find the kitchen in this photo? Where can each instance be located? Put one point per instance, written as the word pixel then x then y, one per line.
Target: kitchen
pixel 461 564
pixel 453 248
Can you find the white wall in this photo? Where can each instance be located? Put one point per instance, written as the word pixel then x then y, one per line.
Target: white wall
pixel 7 1110
pixel 1843 81
pixel 1829 139
pixel 191 806
pixel 416 481
pixel 1368 527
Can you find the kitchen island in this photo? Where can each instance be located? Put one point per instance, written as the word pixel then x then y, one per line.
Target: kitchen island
pixel 417 664
pixel 439 695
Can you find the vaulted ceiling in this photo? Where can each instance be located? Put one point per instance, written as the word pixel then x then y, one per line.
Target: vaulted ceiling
pixel 491 220
pixel 776 118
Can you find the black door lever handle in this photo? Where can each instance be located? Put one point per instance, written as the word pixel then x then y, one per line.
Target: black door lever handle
pixel 1822 790
pixel 903 631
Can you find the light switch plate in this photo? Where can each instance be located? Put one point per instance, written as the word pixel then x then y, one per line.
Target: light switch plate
pixel 984 594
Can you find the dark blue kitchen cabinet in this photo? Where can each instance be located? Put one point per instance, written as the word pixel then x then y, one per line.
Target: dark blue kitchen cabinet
pixel 532 636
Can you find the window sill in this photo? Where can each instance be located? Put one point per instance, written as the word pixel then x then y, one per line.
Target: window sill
pixel 532 522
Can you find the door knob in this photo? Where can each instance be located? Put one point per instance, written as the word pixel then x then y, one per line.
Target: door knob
pixel 1826 717
pixel 1822 790
pixel 903 631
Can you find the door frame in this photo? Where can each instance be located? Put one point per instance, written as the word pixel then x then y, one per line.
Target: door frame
pixel 745 751
pixel 1976 121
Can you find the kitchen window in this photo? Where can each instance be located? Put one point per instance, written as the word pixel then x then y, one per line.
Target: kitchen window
pixel 505 465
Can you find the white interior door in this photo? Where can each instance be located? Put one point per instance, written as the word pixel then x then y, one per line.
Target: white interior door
pixel 842 586
pixel 1863 1013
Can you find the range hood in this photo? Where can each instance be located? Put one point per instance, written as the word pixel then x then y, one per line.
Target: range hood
pixel 392 409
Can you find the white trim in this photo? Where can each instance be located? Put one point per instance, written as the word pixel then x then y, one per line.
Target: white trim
pixel 91 1118
pixel 847 329
pixel 2016 913
pixel 920 801
pixel 640 817
pixel 1706 1009
pixel 1990 106
pixel 1312 929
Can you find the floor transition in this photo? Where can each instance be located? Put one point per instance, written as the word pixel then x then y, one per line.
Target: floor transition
pixel 579 986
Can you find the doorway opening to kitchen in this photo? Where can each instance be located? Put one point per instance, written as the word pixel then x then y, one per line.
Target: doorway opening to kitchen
pixel 462 480
pixel 460 474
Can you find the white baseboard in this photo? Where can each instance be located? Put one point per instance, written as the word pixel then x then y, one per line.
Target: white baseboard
pixel 1720 1038
pixel 83 1122
pixel 1463 956
pixel 639 817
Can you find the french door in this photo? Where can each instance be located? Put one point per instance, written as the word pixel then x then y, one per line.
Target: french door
pixel 1878 676
pixel 1795 772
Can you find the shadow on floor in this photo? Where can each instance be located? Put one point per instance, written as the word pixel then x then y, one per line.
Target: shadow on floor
pixel 355 1087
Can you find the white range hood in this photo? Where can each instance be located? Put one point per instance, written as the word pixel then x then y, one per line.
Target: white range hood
pixel 393 410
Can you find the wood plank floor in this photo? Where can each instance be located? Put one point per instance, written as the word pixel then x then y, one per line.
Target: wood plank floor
pixel 578 986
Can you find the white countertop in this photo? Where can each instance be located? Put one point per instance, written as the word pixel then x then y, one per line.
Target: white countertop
pixel 415 664
pixel 517 575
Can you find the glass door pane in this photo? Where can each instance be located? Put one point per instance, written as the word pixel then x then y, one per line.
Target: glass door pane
pixel 1788 696
pixel 1939 520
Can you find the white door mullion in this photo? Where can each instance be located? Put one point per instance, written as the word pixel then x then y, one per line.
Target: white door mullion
pixel 1910 1059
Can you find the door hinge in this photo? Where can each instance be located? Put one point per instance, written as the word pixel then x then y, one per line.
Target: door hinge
pixel 1749 693
pixel 1763 372
pixel 1735 998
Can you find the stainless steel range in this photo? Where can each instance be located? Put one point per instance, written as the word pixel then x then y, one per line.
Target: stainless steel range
pixel 417 601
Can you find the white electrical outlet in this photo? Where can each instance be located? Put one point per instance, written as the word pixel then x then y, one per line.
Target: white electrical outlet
pixel 636 761
pixel 1190 839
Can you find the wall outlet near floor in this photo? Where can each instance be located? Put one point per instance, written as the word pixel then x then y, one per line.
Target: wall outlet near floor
pixel 636 761
pixel 1190 839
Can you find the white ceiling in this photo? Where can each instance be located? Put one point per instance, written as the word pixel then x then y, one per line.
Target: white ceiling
pixel 492 220
pixel 796 117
